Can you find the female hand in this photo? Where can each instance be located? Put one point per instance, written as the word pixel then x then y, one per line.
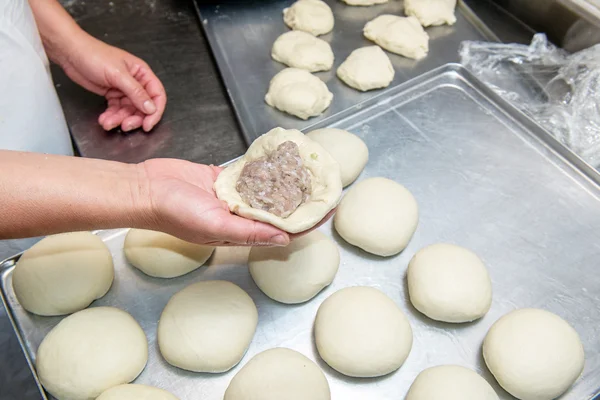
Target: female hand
pixel 136 97
pixel 184 204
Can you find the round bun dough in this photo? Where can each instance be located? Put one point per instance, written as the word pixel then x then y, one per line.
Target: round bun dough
pixel 350 152
pixel 312 16
pixel 207 327
pixel 431 12
pixel 298 272
pixel 364 2
pixel 277 374
pixel 136 392
pixel 324 172
pixel 361 332
pixel 450 382
pixel 367 68
pixel 63 273
pixel 298 92
pixel 533 354
pixel 400 35
pixel 449 283
pixel 163 256
pixel 91 351
pixel 302 50
pixel 378 215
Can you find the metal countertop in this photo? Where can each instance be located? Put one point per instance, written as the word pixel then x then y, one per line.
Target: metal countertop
pixel 199 124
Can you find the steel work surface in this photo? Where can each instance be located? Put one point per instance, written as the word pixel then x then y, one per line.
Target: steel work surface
pixel 485 177
pixel 241 34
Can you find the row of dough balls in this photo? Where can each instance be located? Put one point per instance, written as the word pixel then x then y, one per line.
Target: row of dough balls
pixel 298 92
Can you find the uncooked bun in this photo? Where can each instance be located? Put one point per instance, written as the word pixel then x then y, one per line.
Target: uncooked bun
pixel 361 332
pixel 312 16
pixel 350 152
pixel 91 351
pixel 533 354
pixel 136 392
pixel 401 35
pixel 302 50
pixel 298 272
pixel 378 215
pixel 450 382
pixel 278 374
pixel 449 283
pixel 207 327
pixel 63 273
pixel 367 68
pixel 163 256
pixel 431 12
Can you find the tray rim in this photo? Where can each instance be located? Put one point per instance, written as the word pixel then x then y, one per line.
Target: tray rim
pixel 567 156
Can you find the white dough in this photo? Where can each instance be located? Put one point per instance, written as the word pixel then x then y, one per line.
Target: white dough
pixel 449 283
pixel 350 152
pixel 533 354
pixel 91 351
pixel 136 392
pixel 364 2
pixel 278 374
pixel 312 16
pixel 162 255
pixel 299 49
pixel 400 35
pixel 298 92
pixel 361 332
pixel 298 272
pixel 431 12
pixel 324 172
pixel 378 215
pixel 367 68
pixel 63 273
pixel 207 327
pixel 450 382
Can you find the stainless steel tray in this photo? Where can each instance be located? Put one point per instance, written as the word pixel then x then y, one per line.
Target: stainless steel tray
pixel 241 34
pixel 485 176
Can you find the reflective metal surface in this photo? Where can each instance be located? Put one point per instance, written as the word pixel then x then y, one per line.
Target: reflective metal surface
pixel 241 34
pixel 485 177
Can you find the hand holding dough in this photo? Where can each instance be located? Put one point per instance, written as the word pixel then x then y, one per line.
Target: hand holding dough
pixel 298 92
pixel 312 16
pixel 367 68
pixel 299 49
pixel 400 35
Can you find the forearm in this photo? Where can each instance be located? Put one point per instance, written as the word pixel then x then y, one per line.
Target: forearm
pixel 59 31
pixel 44 194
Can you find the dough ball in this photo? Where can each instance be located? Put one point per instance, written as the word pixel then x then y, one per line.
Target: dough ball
pixel 364 2
pixel 378 215
pixel 431 12
pixel 207 327
pixel 367 68
pixel 312 16
pixel 449 283
pixel 298 92
pixel 350 152
pixel 533 354
pixel 323 169
pixel 361 332
pixel 163 256
pixel 278 374
pixel 450 382
pixel 299 49
pixel 63 273
pixel 400 35
pixel 91 351
pixel 298 272
pixel 136 392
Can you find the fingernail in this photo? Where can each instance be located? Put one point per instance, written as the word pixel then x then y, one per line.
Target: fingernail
pixel 127 128
pixel 279 240
pixel 149 107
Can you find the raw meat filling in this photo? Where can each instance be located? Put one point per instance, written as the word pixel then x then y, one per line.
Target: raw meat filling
pixel 278 183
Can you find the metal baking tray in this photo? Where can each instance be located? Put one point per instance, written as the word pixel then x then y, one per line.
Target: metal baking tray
pixel 485 176
pixel 241 34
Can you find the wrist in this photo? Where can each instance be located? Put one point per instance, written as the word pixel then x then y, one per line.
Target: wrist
pixel 142 212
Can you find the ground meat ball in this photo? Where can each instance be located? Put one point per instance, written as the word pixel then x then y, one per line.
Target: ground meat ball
pixel 277 183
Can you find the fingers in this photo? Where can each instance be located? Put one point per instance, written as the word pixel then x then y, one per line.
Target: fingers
pixel 132 122
pixel 231 228
pixel 134 90
pixel 157 92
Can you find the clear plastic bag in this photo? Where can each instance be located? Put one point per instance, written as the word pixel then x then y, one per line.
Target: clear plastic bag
pixel 561 91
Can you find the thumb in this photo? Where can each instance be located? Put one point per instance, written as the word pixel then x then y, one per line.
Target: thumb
pixel 135 92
